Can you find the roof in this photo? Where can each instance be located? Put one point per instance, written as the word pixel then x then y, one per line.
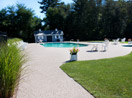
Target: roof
pixel 40 34
pixel 49 32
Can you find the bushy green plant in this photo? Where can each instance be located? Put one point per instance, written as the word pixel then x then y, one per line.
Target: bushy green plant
pixel 11 61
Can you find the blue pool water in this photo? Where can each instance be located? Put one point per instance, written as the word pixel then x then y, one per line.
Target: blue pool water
pixel 63 45
pixel 127 45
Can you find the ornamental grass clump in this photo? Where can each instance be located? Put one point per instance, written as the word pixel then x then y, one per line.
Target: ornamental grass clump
pixel 74 51
pixel 14 40
pixel 11 61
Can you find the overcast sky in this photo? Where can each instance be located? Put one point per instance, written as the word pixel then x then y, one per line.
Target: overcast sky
pixel 29 3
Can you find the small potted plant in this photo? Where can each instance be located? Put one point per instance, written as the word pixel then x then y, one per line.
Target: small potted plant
pixel 73 53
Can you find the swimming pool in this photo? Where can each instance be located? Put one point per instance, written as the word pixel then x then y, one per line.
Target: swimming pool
pixel 63 45
pixel 127 45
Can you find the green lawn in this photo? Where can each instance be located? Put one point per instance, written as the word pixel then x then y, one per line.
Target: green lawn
pixel 105 78
pixel 126 42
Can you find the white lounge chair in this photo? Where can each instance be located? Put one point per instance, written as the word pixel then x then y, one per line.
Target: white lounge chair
pixel 123 40
pixel 61 40
pixel 105 45
pixel 77 40
pixel 115 42
pixel 95 47
pixel 129 42
pixel 40 41
pixel 22 45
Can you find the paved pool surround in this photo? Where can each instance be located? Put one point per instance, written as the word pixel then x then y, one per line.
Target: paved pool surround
pixel 43 77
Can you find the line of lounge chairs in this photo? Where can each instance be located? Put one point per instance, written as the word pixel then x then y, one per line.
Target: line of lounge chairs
pixel 104 45
pixel 116 41
pixel 21 44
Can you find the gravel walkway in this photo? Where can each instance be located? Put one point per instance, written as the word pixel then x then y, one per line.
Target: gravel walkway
pixel 44 79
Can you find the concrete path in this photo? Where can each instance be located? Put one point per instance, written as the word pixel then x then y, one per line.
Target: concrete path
pixel 44 78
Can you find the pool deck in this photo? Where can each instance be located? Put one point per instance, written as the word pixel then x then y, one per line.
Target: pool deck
pixel 45 79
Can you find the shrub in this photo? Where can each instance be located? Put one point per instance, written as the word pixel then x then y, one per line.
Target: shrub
pixel 11 61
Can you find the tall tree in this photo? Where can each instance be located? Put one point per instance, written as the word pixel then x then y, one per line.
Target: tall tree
pixel 45 4
pixel 114 19
pixel 128 31
pixel 55 17
pixel 86 18
pixel 91 19
pixel 3 20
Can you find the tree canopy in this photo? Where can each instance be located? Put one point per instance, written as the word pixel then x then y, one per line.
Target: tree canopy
pixel 90 19
pixel 45 4
pixel 19 21
pixel 83 19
